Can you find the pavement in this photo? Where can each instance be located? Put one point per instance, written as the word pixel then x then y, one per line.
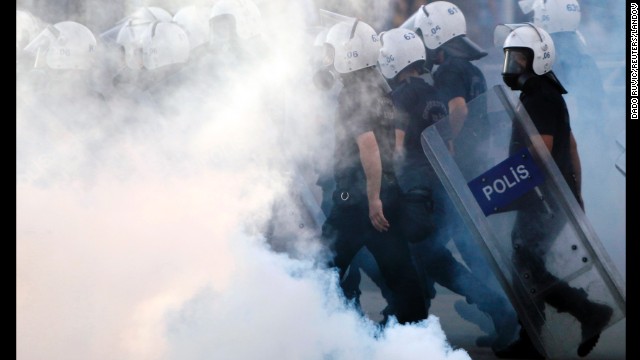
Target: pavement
pixel 462 334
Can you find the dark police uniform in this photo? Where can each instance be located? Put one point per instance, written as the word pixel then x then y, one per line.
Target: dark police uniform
pixel 457 77
pixel 543 100
pixel 536 228
pixel 423 209
pixel 363 107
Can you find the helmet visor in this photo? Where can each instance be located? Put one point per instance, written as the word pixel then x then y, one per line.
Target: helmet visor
pixel 515 61
pixel 43 40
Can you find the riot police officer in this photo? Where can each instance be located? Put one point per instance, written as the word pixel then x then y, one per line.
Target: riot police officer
pixel 529 54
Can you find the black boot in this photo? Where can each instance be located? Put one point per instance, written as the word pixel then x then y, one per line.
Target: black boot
pixel 592 325
pixel 593 317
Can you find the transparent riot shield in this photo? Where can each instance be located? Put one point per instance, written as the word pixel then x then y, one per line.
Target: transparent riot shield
pixel 529 226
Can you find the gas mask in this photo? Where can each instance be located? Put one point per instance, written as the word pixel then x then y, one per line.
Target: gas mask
pixel 516 68
pixel 326 76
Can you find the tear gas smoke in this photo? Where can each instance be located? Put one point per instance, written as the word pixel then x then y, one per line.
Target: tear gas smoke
pixel 140 215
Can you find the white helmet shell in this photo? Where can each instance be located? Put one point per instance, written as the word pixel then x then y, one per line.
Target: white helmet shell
pixel 439 22
pixel 355 44
pixel 400 48
pixel 131 32
pixel 130 38
pixel 320 37
pixel 143 15
pixel 164 43
pixel 135 26
pixel 195 22
pixel 317 52
pixel 72 46
pixel 557 15
pixel 247 16
pixel 27 28
pixel 536 39
pixel 151 13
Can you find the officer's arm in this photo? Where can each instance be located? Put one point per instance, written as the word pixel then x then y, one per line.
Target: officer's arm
pixel 457 114
pixel 548 141
pixel 372 165
pixel 399 153
pixel 575 162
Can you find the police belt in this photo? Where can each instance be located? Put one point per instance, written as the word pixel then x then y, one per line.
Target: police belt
pixel 347 189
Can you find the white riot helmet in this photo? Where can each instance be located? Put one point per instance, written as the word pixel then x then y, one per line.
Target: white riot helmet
pixel 528 51
pixel 151 13
pixel 400 48
pixel 195 21
pixel 164 43
pixel 27 28
pixel 65 45
pixel 318 45
pixel 439 22
pixel 244 14
pixel 143 15
pixel 130 38
pixel 323 77
pixel 352 45
pixel 538 41
pixel 442 23
pixel 553 15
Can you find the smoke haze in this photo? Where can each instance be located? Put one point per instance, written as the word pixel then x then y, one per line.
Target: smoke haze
pixel 140 219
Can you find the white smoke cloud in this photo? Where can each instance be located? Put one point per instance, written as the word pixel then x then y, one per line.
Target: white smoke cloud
pixel 139 229
pixel 139 224
pixel 157 268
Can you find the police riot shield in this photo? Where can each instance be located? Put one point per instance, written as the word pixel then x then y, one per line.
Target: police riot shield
pixel 528 224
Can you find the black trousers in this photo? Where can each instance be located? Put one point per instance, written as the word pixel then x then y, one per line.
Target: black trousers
pixel 535 230
pixel 348 228
pixel 422 224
